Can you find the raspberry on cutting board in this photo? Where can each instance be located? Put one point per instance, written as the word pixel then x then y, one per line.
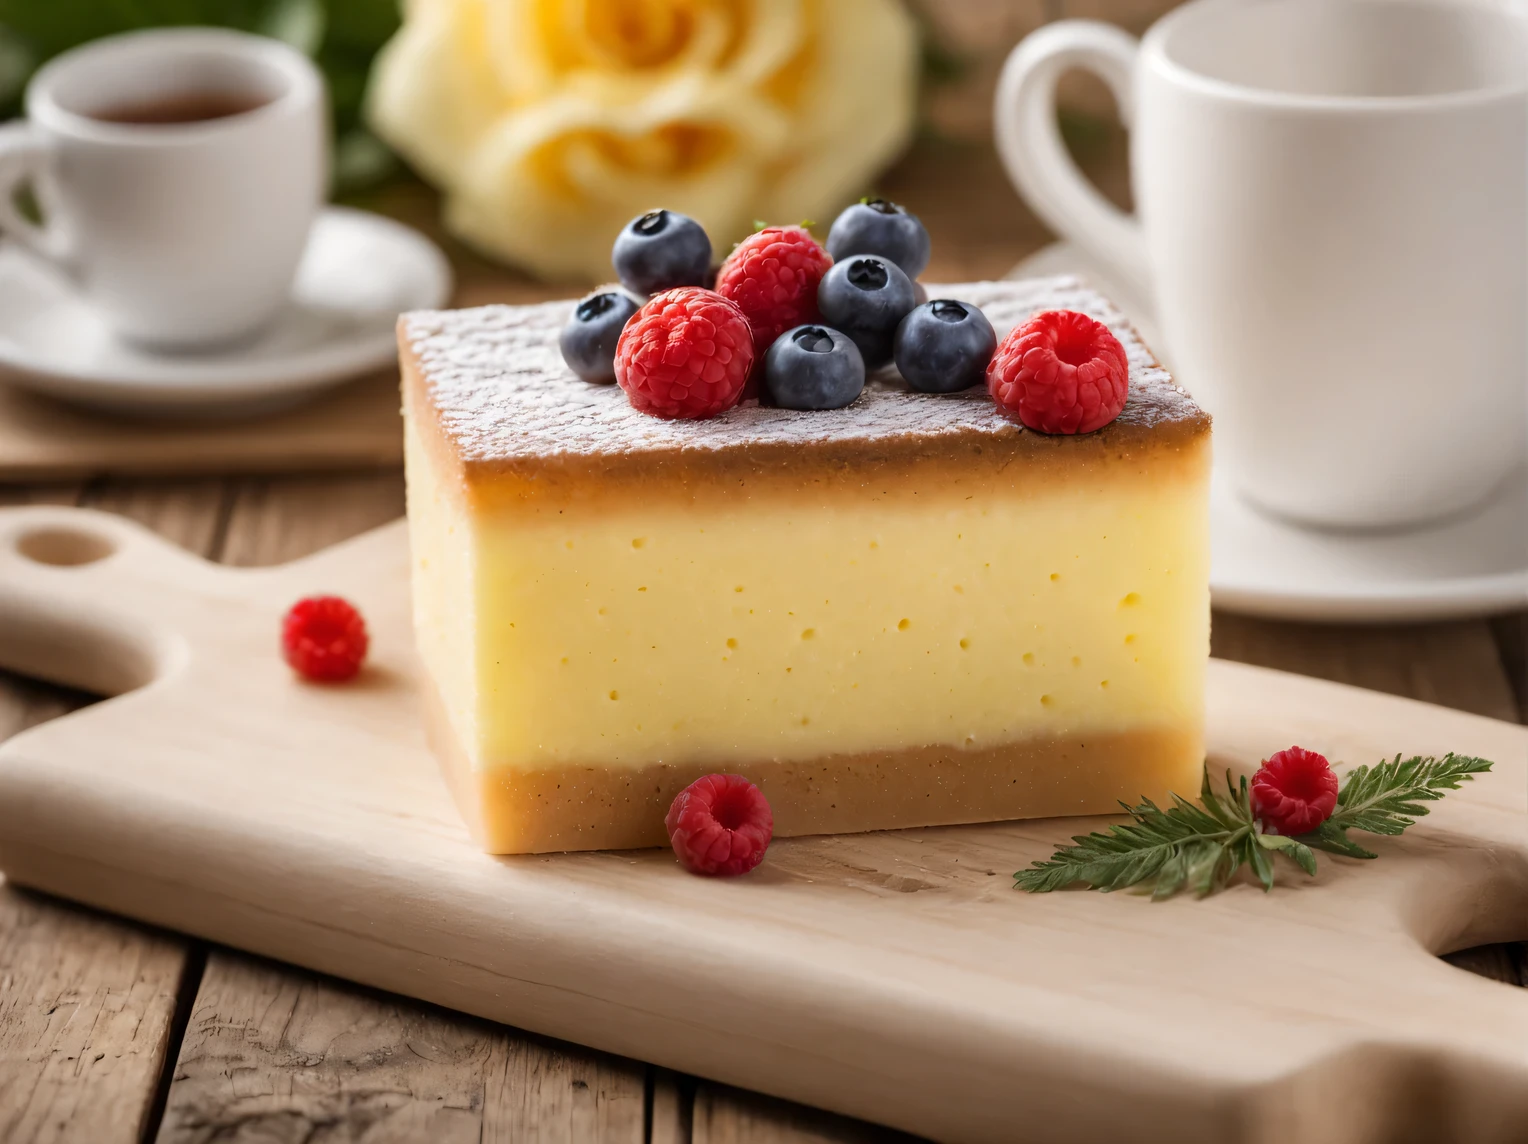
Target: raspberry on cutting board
pixel 1060 372
pixel 686 354
pixel 720 825
pixel 773 277
pixel 324 638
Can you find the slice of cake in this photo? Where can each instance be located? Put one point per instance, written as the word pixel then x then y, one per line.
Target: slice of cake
pixel 906 612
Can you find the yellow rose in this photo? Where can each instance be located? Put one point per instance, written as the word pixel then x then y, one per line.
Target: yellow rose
pixel 549 124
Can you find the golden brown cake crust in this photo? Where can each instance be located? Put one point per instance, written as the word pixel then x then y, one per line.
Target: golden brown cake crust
pixel 502 415
pixel 513 811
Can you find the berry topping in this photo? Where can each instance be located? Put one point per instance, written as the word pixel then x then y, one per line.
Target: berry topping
pixel 1294 792
pixel 1060 372
pixel 686 354
pixel 875 226
pixel 813 367
pixel 773 277
pixel 661 250
pixel 324 638
pixel 865 297
pixel 943 346
pixel 720 825
pixel 588 340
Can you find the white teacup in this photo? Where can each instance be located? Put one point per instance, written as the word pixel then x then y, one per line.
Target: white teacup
pixel 1333 225
pixel 178 172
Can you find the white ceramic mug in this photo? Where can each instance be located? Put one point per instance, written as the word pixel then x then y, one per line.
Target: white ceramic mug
pixel 1332 222
pixel 184 233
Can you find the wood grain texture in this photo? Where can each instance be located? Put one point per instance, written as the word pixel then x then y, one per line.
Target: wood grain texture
pixel 271 520
pixel 1453 664
pixel 272 1055
pixel 725 1115
pixel 87 1006
pixel 854 943
pixel 1511 634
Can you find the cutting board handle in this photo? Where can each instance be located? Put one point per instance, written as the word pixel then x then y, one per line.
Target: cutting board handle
pixel 93 601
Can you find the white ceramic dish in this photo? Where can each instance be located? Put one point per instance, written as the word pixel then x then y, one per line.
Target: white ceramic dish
pixel 1471 566
pixel 1474 565
pixel 358 273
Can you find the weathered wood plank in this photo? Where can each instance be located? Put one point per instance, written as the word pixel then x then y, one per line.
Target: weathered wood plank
pixel 725 1115
pixel 1452 664
pixel 1511 634
pixel 276 519
pixel 273 1055
pixel 87 1003
pixel 189 511
pixel 87 1012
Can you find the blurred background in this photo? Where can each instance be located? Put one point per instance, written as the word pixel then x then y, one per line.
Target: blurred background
pixel 425 152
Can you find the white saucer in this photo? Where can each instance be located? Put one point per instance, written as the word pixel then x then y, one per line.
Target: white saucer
pixel 359 272
pixel 1475 565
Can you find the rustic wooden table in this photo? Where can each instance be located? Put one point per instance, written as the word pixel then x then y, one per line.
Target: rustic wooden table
pixel 112 1032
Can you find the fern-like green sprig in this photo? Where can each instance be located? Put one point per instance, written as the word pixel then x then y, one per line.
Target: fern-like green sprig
pixel 1201 847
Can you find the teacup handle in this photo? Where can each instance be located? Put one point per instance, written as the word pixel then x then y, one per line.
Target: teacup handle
pixel 26 156
pixel 1029 140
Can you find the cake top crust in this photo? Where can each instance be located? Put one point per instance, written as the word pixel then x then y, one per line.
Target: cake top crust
pixel 496 382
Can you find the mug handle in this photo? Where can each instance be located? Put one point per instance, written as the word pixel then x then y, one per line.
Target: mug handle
pixel 1029 140
pixel 25 156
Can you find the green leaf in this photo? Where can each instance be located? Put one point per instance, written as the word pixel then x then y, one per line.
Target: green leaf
pixel 1182 846
pixel 1387 798
pixel 1293 847
pixel 300 23
pixel 1199 848
pixel 1262 866
pixel 1334 841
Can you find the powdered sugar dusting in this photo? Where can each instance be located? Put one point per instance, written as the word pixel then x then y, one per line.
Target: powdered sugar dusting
pixel 499 385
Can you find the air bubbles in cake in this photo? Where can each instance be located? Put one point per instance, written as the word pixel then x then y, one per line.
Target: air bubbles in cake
pixel 732 643
pixel 1029 659
pixel 639 542
pixel 1131 600
pixel 1047 701
pixel 964 644
pixel 903 625
pixel 615 695
pixel 809 633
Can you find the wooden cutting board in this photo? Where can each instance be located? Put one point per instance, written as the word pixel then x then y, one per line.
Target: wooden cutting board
pixel 896 977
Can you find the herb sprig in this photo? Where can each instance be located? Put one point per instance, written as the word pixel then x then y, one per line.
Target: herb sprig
pixel 1199 848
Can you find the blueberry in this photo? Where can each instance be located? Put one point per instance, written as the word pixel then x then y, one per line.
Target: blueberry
pixel 944 346
pixel 661 250
pixel 874 226
pixel 813 367
pixel 588 340
pixel 866 297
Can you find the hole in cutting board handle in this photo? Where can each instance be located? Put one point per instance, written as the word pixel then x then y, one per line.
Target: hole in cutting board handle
pixel 64 547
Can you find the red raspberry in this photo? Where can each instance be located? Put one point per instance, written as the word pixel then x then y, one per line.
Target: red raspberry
pixel 1294 792
pixel 773 276
pixel 685 354
pixel 324 638
pixel 1061 372
pixel 720 824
